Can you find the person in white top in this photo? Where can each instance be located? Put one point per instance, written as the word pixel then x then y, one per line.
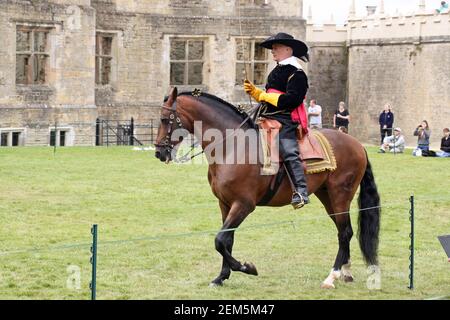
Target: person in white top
pixel 314 115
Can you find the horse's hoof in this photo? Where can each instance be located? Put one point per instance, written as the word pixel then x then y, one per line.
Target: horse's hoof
pixel 250 268
pixel 327 286
pixel 216 284
pixel 347 278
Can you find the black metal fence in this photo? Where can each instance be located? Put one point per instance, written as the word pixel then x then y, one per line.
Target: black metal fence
pixel 125 132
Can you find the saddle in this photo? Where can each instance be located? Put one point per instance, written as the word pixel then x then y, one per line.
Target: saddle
pixel 316 152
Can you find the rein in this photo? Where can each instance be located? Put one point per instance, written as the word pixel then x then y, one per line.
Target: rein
pixel 174 118
pixel 184 159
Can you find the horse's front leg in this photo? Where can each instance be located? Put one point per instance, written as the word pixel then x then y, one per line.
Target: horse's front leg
pixel 226 270
pixel 225 239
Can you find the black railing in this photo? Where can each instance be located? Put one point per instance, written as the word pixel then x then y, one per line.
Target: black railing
pixel 124 132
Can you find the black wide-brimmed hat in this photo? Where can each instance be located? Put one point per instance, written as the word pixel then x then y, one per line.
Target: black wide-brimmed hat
pixel 300 49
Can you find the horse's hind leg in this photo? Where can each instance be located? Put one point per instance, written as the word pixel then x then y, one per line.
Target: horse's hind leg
pixel 337 209
pixel 224 242
pixel 345 234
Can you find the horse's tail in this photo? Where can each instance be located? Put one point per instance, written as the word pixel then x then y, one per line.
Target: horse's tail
pixel 369 216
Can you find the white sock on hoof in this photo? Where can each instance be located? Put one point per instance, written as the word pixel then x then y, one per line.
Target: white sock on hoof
pixel 373 277
pixel 329 281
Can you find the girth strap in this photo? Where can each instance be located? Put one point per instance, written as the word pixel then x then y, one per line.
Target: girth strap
pixel 273 188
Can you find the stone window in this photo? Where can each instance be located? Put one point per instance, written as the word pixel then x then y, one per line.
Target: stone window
pixel 103 58
pixel 11 138
pixel 254 58
pixel 31 55
pixel 4 139
pixel 186 61
pixel 60 137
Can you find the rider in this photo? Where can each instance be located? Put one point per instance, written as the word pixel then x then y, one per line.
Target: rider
pixel 290 83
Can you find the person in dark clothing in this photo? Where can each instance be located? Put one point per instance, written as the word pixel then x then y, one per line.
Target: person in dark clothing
pixel 286 89
pixel 341 117
pixel 445 145
pixel 386 121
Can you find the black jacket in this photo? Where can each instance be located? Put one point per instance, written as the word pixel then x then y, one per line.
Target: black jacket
pixel 386 119
pixel 445 144
pixel 295 88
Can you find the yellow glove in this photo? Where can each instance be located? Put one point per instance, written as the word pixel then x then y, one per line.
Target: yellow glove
pixel 271 98
pixel 252 90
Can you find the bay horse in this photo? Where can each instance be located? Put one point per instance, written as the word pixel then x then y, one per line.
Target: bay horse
pixel 240 187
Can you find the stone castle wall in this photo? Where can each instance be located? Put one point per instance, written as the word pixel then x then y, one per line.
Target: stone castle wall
pixel 144 49
pixel 327 70
pixel 401 60
pixel 404 61
pixel 67 93
pixel 373 60
pixel 141 32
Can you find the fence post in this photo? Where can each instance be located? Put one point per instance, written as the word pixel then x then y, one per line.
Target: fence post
pixel 107 133
pixel 117 129
pixel 56 137
pixel 97 132
pixel 411 247
pixel 132 131
pixel 93 284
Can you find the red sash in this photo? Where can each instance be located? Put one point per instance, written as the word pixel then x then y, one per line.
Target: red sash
pixel 298 114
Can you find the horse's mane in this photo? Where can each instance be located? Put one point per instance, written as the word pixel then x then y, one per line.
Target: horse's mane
pixel 222 103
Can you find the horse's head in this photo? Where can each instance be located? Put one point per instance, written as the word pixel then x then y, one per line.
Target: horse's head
pixel 170 123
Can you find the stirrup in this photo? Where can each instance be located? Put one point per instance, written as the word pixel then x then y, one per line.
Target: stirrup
pixel 298 205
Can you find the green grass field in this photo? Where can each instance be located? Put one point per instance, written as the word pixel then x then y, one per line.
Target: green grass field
pixel 49 202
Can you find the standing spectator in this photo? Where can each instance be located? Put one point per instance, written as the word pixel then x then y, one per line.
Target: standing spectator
pixel 443 8
pixel 422 133
pixel 314 115
pixel 386 121
pixel 445 145
pixel 341 117
pixel 394 143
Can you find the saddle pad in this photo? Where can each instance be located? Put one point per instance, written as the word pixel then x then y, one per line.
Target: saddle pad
pixel 315 150
pixel 328 163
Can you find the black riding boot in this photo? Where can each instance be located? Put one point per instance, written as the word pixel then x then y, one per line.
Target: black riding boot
pixel 290 154
pixel 296 172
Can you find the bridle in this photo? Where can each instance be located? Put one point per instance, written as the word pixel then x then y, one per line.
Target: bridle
pixel 172 118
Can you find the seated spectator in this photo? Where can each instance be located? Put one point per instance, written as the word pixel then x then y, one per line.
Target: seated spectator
pixel 422 133
pixel 394 143
pixel 443 8
pixel 445 145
